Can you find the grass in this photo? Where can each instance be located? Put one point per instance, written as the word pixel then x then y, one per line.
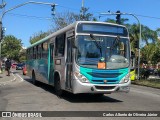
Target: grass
pixel 149 83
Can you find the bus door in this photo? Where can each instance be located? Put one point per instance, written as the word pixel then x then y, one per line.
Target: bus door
pixel 69 62
pixel 51 65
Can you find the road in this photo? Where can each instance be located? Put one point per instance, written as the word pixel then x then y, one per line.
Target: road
pixel 22 95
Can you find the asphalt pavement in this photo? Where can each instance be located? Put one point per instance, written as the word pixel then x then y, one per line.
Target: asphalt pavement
pixel 4 79
pixel 22 95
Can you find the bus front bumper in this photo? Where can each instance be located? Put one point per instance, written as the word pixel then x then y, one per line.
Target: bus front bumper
pixel 80 87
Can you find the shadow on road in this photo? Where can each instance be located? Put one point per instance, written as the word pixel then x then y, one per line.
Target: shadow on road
pixel 15 72
pixel 78 98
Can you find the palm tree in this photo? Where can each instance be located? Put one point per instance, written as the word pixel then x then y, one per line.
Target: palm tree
pixel 148 52
pixel 147 36
pixel 158 33
pixel 147 33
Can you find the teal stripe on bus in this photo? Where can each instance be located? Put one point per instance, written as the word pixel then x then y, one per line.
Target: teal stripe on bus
pixel 97 76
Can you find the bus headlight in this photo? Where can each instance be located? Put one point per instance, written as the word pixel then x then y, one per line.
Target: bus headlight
pixel 126 79
pixel 81 77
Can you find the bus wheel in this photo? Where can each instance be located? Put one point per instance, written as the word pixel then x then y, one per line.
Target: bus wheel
pixel 57 86
pixel 33 78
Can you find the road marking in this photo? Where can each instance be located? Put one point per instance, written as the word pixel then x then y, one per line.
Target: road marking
pixel 20 77
pixel 4 83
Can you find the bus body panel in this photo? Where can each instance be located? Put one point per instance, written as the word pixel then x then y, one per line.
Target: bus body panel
pixel 40 68
pixel 104 84
pixel 97 76
pixel 79 87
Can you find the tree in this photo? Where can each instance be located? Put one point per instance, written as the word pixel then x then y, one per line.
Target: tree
pixel 156 56
pixel 147 33
pixel 158 33
pixel 148 52
pixel 22 55
pixel 61 20
pixel 151 53
pixel 123 20
pixel 85 15
pixel 38 36
pixel 11 47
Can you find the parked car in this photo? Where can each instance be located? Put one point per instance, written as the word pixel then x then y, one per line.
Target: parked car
pixel 19 66
pixel 153 74
pixel 14 65
pixel 24 70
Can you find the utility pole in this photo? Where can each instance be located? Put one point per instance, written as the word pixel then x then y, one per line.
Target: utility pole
pixel 20 5
pixel 111 13
pixel 2 6
pixel 82 9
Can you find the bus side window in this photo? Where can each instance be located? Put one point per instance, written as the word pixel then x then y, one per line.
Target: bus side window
pixel 34 53
pixel 45 50
pixel 60 45
pixel 39 51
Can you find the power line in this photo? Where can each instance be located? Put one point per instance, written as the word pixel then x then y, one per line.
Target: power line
pixel 48 18
pixel 99 12
pixel 147 16
pixel 33 17
pixel 69 8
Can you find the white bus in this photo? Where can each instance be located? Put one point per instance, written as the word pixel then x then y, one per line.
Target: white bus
pixel 84 57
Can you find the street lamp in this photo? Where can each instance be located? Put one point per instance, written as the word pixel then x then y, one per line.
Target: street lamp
pixel 139 33
pixel 4 12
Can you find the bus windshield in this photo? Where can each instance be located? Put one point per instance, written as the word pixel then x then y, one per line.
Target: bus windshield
pixel 111 50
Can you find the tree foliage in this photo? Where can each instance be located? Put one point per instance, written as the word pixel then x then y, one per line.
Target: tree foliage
pixel 11 47
pixel 151 51
pixel 38 36
pixel 85 15
pixel 22 55
pixel 61 20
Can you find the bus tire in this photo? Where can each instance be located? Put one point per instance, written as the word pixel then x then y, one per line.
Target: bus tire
pixel 57 86
pixel 34 78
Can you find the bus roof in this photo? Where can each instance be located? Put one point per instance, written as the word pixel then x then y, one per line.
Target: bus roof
pixel 67 28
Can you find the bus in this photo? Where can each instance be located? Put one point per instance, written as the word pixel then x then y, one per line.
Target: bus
pixel 84 57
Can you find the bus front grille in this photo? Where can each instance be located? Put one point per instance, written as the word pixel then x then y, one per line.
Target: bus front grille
pixel 108 81
pixel 104 75
pixel 105 87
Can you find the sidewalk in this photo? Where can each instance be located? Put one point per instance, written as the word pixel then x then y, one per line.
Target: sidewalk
pixel 4 78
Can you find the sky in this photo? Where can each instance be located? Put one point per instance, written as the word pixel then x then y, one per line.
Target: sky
pixel 29 19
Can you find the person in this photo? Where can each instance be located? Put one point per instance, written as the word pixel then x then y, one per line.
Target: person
pixel 8 66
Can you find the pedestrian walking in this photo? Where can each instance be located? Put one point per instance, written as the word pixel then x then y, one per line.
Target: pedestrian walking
pixel 8 66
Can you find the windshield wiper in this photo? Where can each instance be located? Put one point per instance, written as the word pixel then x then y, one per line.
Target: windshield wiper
pixel 115 43
pixel 96 43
